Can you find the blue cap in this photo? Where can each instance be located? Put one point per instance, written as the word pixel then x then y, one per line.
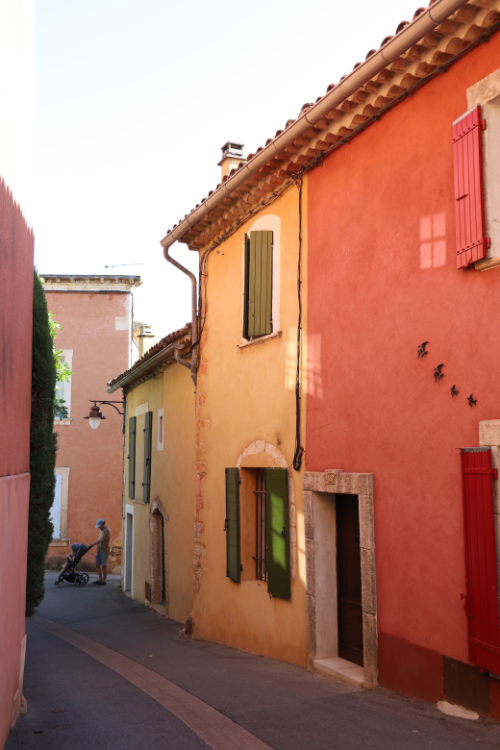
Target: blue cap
pixel 99 523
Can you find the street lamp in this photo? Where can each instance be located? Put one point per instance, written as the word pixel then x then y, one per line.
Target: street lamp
pixel 95 415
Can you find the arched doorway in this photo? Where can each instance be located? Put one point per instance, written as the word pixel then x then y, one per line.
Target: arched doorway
pixel 159 587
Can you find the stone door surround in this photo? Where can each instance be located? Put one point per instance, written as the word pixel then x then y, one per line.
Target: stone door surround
pixel 321 592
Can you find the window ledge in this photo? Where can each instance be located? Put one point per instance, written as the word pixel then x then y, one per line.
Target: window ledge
pixel 255 584
pixel 59 543
pixel 259 340
pixel 63 421
pixel 486 264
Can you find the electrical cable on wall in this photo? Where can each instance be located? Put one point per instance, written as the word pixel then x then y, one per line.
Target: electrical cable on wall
pixel 299 450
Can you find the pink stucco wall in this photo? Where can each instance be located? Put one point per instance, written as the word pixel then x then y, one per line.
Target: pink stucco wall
pixel 16 305
pixel 14 501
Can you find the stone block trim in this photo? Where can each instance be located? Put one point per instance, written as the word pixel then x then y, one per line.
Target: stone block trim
pixel 200 473
pixel 339 482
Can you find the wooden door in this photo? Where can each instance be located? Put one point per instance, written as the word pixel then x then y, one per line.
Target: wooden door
pixel 350 614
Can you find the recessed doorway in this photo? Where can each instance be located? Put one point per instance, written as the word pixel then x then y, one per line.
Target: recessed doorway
pixel 349 607
pixel 159 572
pixel 340 583
pixel 129 551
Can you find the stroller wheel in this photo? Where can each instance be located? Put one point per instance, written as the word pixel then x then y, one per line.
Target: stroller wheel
pixel 59 582
pixel 82 579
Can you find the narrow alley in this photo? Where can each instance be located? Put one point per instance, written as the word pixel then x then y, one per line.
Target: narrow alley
pixel 228 699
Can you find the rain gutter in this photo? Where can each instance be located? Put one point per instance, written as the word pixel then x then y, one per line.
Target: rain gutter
pixel 150 364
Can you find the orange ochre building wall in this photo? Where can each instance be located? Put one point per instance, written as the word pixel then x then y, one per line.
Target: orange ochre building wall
pixel 371 303
pixel 93 327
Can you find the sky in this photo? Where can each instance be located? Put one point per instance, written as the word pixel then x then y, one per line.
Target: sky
pixel 134 100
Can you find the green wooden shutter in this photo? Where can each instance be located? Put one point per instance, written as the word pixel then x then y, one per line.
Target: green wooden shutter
pixel 148 431
pixel 246 254
pixel 278 537
pixel 233 564
pixel 260 284
pixel 131 456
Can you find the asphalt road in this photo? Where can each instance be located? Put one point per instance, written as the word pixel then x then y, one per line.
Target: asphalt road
pixel 75 701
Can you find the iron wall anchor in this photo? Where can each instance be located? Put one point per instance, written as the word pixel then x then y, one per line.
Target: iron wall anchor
pixel 437 372
pixel 421 349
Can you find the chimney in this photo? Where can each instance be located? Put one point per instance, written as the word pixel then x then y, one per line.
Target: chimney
pixel 232 155
pixel 145 340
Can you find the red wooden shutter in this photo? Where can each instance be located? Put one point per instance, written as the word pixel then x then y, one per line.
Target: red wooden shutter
pixel 469 191
pixel 481 560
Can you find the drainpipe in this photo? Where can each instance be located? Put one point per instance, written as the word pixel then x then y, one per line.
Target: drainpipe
pixel 193 365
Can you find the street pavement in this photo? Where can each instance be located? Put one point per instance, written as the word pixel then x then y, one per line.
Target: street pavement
pixel 76 700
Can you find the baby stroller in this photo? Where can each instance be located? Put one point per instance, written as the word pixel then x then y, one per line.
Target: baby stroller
pixel 71 574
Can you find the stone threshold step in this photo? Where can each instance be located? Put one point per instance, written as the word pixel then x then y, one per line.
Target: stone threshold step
pixel 341 670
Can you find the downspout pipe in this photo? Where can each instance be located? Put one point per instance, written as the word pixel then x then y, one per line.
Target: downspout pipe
pixel 193 365
pixel 435 14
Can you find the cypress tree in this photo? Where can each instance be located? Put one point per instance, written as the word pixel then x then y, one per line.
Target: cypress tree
pixel 43 448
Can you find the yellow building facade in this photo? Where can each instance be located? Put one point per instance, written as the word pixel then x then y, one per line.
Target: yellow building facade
pixel 159 479
pixel 245 426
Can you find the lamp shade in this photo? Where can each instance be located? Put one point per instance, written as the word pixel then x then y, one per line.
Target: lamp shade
pixel 95 417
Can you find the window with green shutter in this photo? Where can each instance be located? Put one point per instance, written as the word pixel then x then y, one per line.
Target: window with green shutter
pixel 148 431
pixel 258 285
pixel 233 558
pixel 278 536
pixel 131 456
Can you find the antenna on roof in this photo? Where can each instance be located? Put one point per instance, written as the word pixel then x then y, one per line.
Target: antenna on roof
pixel 122 265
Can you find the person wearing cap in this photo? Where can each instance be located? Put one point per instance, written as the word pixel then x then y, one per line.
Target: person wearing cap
pixel 101 558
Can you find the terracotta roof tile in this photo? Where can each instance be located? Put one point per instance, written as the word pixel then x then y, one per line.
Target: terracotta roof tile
pixel 182 334
pixel 450 37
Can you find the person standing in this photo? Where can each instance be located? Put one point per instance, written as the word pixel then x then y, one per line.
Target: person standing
pixel 103 549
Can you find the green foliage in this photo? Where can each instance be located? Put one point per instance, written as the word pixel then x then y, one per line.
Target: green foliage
pixel 60 410
pixel 42 449
pixel 62 368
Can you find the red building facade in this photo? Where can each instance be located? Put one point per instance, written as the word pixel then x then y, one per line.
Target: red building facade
pixel 407 335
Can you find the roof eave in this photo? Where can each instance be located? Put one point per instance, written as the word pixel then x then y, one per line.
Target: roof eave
pixel 416 30
pixel 143 369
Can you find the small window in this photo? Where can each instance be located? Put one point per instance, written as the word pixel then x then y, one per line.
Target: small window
pixel 60 384
pixel 55 511
pixel 260 525
pixel 160 430
pixel 59 509
pixel 63 389
pixel 257 530
pixel 258 285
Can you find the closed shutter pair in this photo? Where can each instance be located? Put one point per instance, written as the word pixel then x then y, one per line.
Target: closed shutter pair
pixel 132 433
pixel 481 597
pixel 277 528
pixel 469 188
pixel 258 285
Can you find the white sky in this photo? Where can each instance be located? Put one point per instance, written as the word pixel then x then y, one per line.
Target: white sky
pixel 135 99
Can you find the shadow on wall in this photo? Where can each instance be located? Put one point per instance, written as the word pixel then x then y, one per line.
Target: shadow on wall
pixel 314 383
